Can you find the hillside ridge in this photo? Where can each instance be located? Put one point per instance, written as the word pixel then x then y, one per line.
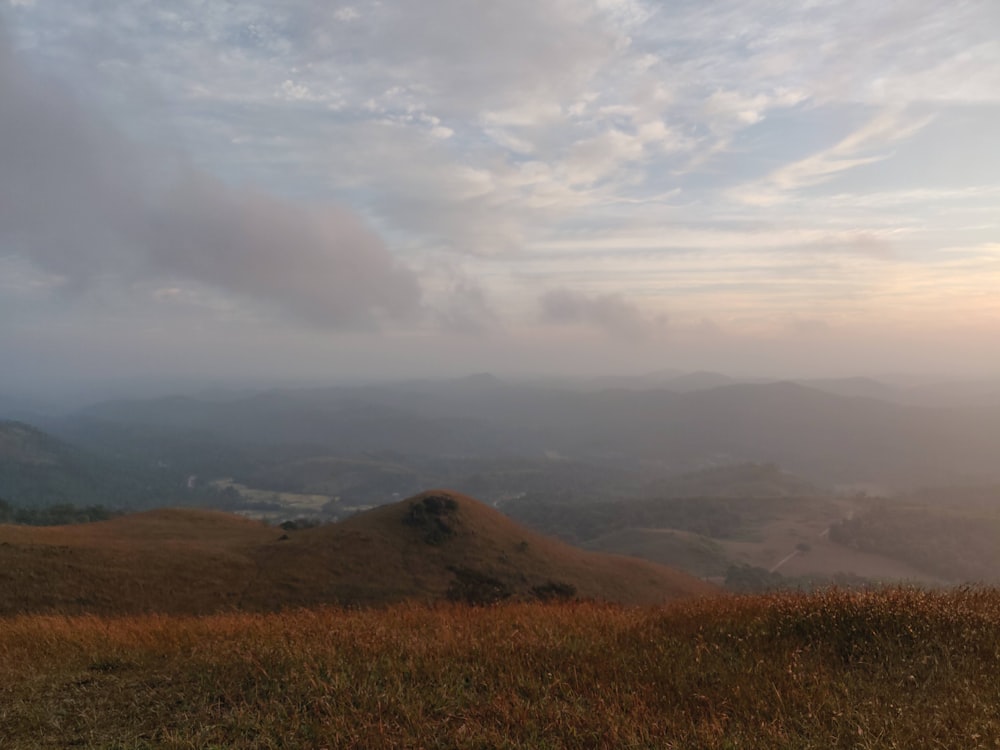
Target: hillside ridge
pixel 436 546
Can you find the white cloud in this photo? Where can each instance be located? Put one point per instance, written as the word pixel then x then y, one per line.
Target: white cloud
pixel 292 91
pixel 866 145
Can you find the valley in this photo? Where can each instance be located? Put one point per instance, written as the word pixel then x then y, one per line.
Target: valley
pixel 643 469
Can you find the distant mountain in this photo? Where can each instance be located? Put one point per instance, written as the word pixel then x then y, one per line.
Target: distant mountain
pixel 854 388
pixel 38 469
pixel 638 382
pixel 678 381
pixel 836 439
pixel 21 409
pixel 347 420
pixel 23 444
pixel 435 546
pixel 700 381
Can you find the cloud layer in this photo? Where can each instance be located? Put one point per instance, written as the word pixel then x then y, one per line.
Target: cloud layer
pixel 454 173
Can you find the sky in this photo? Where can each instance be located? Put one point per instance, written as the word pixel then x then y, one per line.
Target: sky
pixel 325 189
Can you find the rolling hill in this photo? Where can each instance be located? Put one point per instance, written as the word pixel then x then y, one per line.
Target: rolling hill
pixel 435 546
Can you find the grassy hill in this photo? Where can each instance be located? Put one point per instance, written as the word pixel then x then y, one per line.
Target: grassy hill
pixel 890 669
pixel 432 547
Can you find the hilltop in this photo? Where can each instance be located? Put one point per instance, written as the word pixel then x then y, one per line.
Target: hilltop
pixel 435 546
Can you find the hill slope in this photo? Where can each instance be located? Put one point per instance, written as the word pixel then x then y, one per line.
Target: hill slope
pixel 37 469
pixel 438 545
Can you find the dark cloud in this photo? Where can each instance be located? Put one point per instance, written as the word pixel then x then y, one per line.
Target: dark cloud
pixel 611 313
pixel 81 202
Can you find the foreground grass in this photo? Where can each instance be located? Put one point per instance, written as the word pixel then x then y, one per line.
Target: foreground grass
pixel 898 668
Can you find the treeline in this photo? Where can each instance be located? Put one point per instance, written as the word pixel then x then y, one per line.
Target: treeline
pixel 54 515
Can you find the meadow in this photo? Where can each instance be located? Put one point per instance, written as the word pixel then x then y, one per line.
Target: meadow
pixel 896 668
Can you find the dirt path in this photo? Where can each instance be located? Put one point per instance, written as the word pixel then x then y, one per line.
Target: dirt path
pixel 785 559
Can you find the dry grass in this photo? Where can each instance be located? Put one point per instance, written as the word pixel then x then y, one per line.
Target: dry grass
pixel 892 669
pixel 203 562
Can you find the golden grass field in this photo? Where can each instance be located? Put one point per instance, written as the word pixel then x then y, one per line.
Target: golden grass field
pixel 897 668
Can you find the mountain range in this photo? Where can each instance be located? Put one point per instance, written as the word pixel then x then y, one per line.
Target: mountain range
pixel 828 437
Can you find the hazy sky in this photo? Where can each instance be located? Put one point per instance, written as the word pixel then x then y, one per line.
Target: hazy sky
pixel 313 187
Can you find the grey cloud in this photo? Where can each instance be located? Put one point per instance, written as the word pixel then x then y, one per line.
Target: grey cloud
pixel 611 313
pixel 324 266
pixel 80 201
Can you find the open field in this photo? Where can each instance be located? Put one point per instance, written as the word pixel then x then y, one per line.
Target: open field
pixel 800 545
pixel 891 669
pixel 272 506
pixel 953 538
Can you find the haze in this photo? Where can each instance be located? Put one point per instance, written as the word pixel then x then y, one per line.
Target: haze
pixel 334 190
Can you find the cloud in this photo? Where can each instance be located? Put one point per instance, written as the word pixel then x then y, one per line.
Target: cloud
pixel 82 202
pixel 808 328
pixel 709 154
pixel 865 145
pixel 468 311
pixel 610 313
pixel 322 265
pixel 454 56
pixel 863 244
